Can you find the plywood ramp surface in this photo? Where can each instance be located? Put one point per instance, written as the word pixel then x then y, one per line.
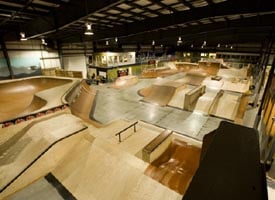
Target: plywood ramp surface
pixel 213 84
pixel 125 81
pixel 26 145
pixel 192 79
pixel 227 106
pixel 233 73
pixel 160 94
pixel 178 98
pixel 176 166
pixel 99 171
pixel 132 142
pixel 236 86
pixel 205 102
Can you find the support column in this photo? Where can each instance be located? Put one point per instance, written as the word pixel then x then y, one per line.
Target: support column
pixel 269 80
pixel 59 49
pixel 7 58
pixel 263 64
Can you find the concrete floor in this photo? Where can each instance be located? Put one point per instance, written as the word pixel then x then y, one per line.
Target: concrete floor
pixel 114 104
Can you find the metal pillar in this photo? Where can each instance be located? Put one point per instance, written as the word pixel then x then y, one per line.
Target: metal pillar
pixel 7 58
pixel 59 49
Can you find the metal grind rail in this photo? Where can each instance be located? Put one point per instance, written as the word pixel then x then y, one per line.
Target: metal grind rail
pixel 125 129
pixel 38 157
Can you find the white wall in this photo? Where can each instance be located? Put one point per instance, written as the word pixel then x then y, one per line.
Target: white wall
pixel 75 63
pixel 49 60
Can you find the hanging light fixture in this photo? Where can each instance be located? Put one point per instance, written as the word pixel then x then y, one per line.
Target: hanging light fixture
pixel 89 30
pixel 43 41
pixel 179 42
pixel 204 43
pixel 116 39
pixel 107 42
pixel 219 45
pixel 153 42
pixel 22 35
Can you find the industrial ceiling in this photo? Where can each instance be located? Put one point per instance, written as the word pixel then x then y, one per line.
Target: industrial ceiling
pixel 138 22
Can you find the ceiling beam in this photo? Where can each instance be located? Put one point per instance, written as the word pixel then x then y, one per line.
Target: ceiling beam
pixel 221 9
pixel 66 15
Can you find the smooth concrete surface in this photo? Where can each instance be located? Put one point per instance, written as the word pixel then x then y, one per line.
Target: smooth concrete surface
pixel 40 189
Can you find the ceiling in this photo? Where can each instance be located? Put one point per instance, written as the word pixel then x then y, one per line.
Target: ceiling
pixel 139 22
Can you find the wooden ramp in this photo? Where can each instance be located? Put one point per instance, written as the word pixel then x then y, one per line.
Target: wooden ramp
pixel 176 166
pixel 125 81
pixel 226 106
pixel 101 171
pixel 178 98
pixel 162 94
pixel 35 150
pixel 205 102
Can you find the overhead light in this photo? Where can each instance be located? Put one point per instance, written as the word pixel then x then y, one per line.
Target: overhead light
pixel 116 39
pixel 43 41
pixel 231 47
pixel 107 42
pixel 153 42
pixel 23 38
pixel 89 30
pixel 219 45
pixel 192 46
pixel 179 41
pixel 204 43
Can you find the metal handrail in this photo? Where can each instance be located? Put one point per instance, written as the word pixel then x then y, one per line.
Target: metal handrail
pixel 38 157
pixel 119 133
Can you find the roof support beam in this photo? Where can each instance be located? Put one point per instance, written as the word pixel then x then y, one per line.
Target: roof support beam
pixel 221 9
pixel 75 10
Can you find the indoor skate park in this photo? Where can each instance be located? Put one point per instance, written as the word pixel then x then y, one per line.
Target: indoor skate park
pixel 118 120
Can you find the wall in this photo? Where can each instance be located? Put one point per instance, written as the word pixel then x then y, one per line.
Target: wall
pixel 27 58
pixel 75 63
pixel 113 59
pixel 4 71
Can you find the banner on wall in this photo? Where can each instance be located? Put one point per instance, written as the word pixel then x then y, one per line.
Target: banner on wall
pixel 4 71
pixel 23 64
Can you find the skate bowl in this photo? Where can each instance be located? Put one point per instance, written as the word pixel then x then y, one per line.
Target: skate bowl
pixel 22 96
